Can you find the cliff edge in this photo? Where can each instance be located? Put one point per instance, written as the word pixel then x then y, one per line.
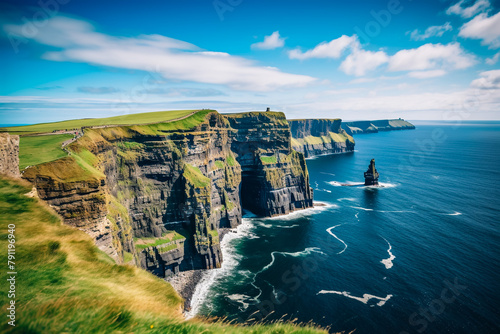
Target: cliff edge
pixel 157 194
pixel 358 127
pixel 314 137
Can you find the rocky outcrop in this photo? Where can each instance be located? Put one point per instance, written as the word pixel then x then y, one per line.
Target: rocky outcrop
pixel 314 137
pixel 9 155
pixel 160 193
pixel 80 199
pixel 358 127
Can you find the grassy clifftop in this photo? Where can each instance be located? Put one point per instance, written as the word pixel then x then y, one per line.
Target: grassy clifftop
pixel 65 284
pixel 142 118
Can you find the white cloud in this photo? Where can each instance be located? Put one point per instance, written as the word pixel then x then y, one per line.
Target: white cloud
pixel 426 74
pixel 488 80
pixel 359 62
pixel 431 57
pixel 485 28
pixel 333 49
pixel 430 32
pixel 493 60
pixel 468 11
pixel 173 59
pixel 270 42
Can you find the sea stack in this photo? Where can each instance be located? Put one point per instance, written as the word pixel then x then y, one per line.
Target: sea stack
pixel 371 175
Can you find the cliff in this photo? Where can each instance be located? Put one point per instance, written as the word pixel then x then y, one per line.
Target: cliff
pixel 159 193
pixel 9 155
pixel 320 136
pixel 358 127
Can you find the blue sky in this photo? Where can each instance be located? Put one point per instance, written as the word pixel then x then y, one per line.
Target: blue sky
pixel 66 59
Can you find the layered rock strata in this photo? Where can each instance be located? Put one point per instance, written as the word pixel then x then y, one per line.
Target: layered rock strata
pixel 314 137
pixel 9 155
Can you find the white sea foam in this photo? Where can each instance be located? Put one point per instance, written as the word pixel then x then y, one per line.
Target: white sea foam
pixel 384 185
pixel 388 262
pixel 329 230
pixel 384 211
pixel 350 199
pixel 365 299
pixel 328 173
pixel 456 213
pixel 305 252
pixel 240 299
pixel 231 260
pixel 361 208
pixel 305 212
pixel 380 185
pixel 335 183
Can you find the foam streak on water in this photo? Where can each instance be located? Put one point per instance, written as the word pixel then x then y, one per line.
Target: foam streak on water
pixel 329 230
pixel 365 299
pixel 388 262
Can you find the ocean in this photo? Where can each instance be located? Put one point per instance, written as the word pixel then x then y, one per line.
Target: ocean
pixel 418 255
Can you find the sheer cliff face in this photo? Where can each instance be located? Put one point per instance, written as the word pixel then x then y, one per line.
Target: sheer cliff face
pixel 162 192
pixel 320 136
pixel 275 177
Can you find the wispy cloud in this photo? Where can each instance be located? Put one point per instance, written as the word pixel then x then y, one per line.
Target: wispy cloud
pixel 97 90
pixel 488 80
pixel 493 60
pixel 333 49
pixel 270 42
pixel 432 31
pixel 359 62
pixel 467 9
pixel 426 74
pixel 188 92
pixel 431 57
pixel 49 87
pixel 485 28
pixel 173 59
pixel 435 59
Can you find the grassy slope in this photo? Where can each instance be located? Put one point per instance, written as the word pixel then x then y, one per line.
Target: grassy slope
pixel 332 137
pixel 35 150
pixel 142 118
pixel 65 284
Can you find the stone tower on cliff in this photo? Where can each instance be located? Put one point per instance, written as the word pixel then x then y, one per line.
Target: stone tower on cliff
pixel 371 175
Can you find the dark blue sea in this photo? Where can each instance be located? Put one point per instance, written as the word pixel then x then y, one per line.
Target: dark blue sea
pixel 418 255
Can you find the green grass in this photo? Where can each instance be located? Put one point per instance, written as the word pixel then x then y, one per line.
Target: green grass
pixel 195 177
pixel 332 137
pixel 269 160
pixel 132 119
pixel 230 160
pixel 34 150
pixel 143 243
pixel 219 164
pixel 66 285
pixel 127 257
